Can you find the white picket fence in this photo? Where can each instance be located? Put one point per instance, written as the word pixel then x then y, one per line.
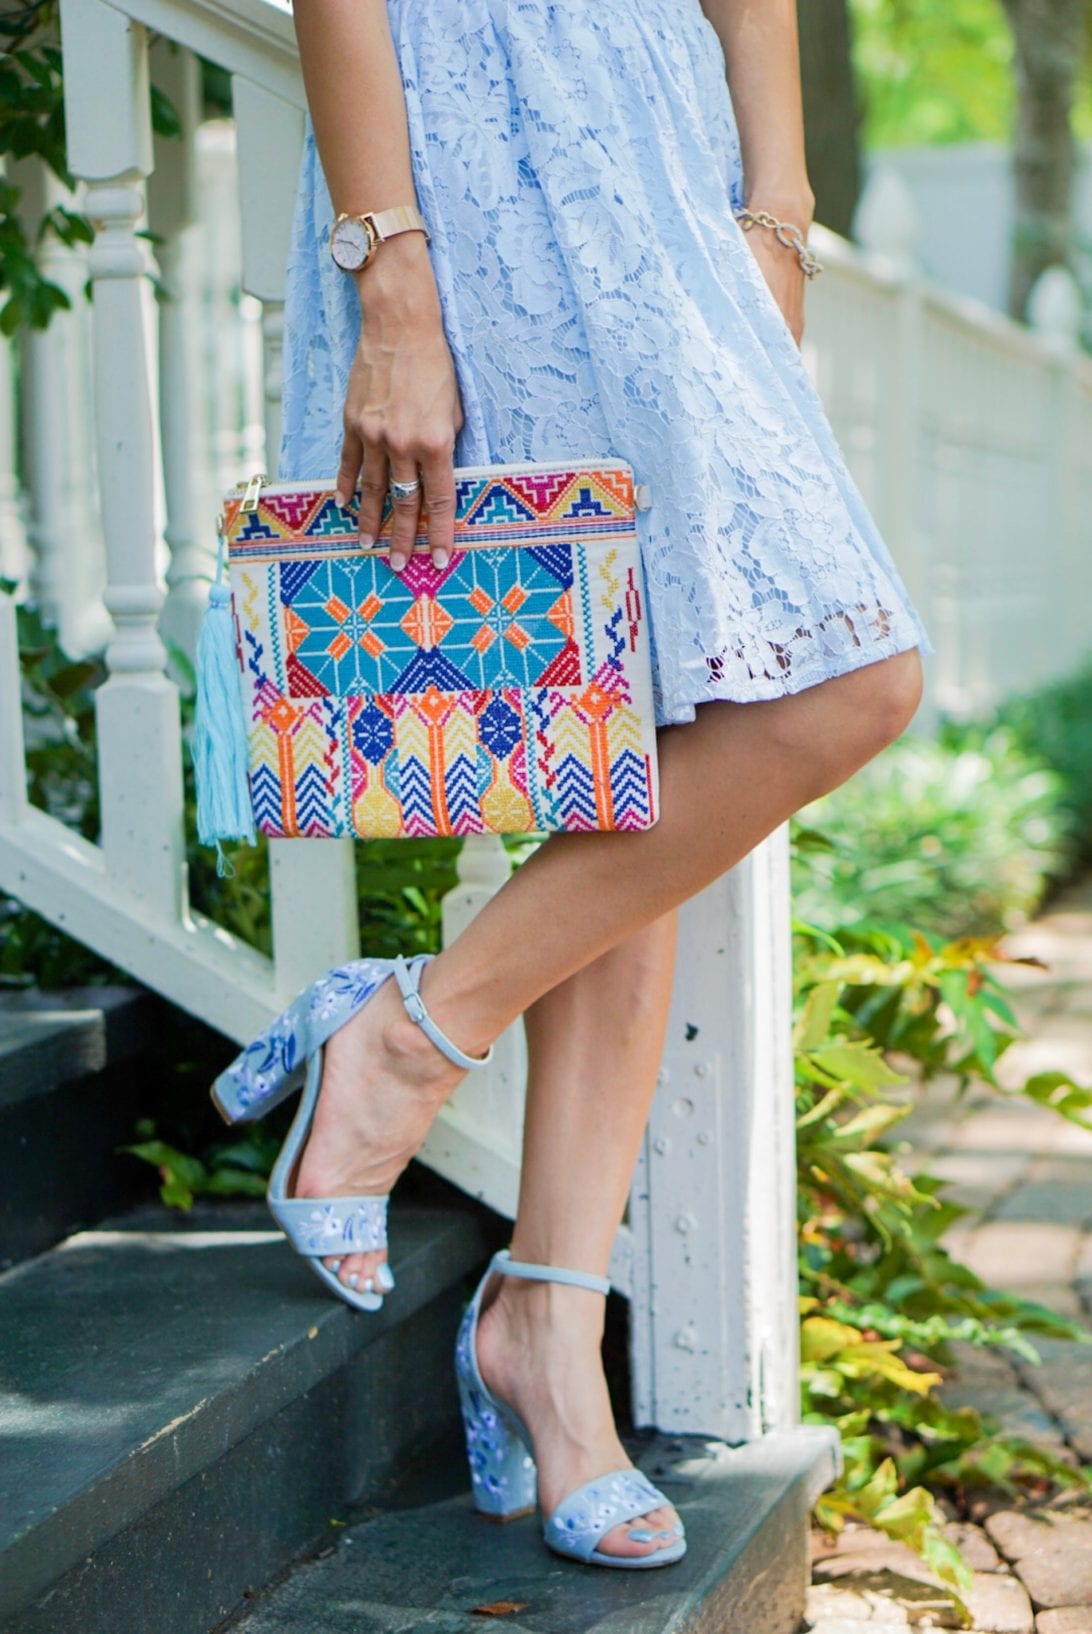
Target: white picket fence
pixel 963 431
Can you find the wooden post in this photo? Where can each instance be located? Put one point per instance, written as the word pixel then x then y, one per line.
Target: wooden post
pixel 713 1207
pixel 140 767
pixel 1054 312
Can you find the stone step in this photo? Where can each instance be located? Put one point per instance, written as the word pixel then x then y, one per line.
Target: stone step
pixel 184 1408
pixel 438 1566
pixel 69 1095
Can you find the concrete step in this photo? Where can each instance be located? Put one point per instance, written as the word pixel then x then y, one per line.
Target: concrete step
pixel 70 1066
pixel 184 1408
pixel 437 1565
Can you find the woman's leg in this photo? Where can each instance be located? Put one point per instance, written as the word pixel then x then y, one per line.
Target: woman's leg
pixel 726 781
pixel 595 1043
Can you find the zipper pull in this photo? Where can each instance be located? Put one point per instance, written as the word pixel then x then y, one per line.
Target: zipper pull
pixel 250 497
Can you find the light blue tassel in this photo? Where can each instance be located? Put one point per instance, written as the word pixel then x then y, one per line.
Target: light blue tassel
pixel 224 810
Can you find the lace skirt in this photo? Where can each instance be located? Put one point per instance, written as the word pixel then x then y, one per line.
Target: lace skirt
pixel 578 165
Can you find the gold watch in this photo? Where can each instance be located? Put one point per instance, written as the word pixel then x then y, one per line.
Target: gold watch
pixel 355 239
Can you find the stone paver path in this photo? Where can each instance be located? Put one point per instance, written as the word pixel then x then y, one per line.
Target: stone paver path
pixel 1027 1176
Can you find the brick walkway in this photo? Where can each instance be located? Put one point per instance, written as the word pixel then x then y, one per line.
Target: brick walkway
pixel 1027 1174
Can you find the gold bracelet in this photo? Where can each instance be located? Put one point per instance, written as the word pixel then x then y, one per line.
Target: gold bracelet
pixel 793 241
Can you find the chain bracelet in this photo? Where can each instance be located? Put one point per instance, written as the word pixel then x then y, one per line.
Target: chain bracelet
pixel 785 233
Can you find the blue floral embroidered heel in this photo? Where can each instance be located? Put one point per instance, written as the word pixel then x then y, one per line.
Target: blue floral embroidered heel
pixel 267 1071
pixel 502 1468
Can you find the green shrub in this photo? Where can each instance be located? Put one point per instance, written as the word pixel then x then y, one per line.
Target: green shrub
pixel 881 1298
pixel 956 840
pixel 1052 723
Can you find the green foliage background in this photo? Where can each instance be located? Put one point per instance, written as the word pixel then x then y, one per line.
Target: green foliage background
pixel 940 71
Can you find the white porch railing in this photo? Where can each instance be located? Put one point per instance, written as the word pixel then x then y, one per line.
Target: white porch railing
pixel 708 1250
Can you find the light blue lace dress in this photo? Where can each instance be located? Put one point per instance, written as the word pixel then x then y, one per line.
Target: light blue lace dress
pixel 578 165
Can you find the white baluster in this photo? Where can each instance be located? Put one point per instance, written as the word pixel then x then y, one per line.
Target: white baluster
pixel 140 766
pixel 13 795
pixel 172 210
pixel 712 1211
pixel 315 922
pixel 14 551
pixel 64 535
pixel 269 135
pixel 476 1140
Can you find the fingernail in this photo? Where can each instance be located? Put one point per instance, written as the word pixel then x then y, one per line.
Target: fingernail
pixel 398 562
pixel 384 1276
pixel 640 1534
pixel 339 499
pixel 367 540
pixel 440 557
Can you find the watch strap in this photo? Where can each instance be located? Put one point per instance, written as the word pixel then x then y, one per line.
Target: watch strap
pixel 400 218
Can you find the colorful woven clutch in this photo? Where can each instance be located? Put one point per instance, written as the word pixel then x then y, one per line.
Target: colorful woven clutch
pixel 507 692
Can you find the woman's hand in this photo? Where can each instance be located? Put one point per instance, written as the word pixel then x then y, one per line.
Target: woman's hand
pixel 402 407
pixel 781 265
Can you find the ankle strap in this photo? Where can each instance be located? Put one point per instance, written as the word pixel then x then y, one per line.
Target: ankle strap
pixel 408 977
pixel 547 1273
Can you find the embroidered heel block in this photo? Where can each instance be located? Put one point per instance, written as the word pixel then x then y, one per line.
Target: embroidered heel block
pixel 268 1070
pixel 502 1466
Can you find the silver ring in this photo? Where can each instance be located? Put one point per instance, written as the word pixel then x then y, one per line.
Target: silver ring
pixel 404 490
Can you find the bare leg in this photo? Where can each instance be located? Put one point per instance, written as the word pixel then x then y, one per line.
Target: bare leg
pixel 726 781
pixel 595 1044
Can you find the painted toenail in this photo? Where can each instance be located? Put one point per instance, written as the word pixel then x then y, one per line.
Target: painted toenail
pixel 641 1535
pixel 384 1277
pixel 335 1266
pixel 369 1285
pixel 353 1279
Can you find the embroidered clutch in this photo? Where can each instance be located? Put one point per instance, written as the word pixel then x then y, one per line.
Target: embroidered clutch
pixel 507 692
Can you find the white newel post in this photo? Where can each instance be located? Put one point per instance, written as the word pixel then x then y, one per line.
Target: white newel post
pixel 713 1206
pixel 315 921
pixel 1054 312
pixel 887 225
pixel 140 765
pixel 172 211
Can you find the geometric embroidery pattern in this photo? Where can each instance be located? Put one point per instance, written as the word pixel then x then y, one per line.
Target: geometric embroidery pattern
pixel 507 692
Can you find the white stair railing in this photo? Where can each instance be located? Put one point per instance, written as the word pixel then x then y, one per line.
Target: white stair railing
pixel 968 436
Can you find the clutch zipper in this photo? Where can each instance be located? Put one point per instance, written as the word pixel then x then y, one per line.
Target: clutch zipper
pixel 250 486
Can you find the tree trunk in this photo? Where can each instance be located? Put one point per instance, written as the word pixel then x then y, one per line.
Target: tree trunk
pixel 831 118
pixel 1049 40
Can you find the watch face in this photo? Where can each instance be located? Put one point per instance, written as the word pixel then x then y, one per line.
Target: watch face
pixel 349 244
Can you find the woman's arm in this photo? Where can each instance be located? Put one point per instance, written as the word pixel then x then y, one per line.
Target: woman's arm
pixel 402 408
pixel 762 54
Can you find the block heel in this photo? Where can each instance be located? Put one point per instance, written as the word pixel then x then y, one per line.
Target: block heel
pixel 500 1452
pixel 503 1482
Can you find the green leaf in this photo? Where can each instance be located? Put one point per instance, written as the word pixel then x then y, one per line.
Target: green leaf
pixel 814 1023
pixel 857 1062
pixel 869 1124
pixel 1062 1094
